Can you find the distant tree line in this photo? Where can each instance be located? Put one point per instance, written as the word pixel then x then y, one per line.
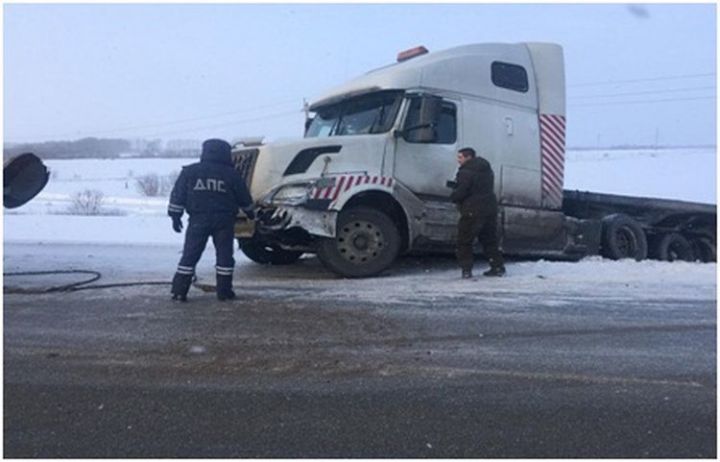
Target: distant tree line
pixel 86 147
pixel 640 146
pixel 108 148
pixel 97 148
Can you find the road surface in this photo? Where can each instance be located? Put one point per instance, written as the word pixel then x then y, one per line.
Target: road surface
pixel 309 365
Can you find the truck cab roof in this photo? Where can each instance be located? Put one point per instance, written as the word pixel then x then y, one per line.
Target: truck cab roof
pixel 464 69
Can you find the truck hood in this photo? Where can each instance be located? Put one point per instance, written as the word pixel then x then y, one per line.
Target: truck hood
pixel 308 159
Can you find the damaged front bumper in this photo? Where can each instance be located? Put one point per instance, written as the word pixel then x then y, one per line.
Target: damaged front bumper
pixel 288 226
pixel 282 218
pixel 290 216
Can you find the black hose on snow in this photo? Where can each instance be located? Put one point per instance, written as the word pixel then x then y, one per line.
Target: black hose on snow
pixel 72 287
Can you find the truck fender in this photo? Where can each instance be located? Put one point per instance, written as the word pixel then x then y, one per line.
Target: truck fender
pixel 347 186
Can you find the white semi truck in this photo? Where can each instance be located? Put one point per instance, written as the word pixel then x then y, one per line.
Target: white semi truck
pixel 368 182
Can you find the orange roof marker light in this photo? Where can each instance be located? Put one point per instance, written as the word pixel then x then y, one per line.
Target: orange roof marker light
pixel 411 53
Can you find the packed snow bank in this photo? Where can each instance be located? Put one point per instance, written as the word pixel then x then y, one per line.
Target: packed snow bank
pixel 554 283
pixel 410 282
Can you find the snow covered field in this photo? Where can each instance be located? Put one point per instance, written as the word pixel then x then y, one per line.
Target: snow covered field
pixel 684 174
pixel 673 174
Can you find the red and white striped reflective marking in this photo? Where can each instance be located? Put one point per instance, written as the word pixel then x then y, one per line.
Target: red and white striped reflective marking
pixel 552 149
pixel 345 182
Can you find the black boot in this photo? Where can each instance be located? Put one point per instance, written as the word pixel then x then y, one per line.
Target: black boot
pixel 496 271
pixel 224 288
pixel 180 286
pixel 467 274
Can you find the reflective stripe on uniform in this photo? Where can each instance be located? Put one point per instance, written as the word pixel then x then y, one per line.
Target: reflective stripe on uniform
pixel 224 271
pixel 185 270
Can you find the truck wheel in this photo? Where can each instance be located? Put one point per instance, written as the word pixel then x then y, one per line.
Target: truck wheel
pixel 623 237
pixel 366 242
pixel 672 247
pixel 704 249
pixel 267 254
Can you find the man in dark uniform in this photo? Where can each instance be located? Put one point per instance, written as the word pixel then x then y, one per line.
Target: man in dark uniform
pixel 475 197
pixel 212 192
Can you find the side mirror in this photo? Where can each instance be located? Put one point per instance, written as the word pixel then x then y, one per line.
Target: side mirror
pixel 428 115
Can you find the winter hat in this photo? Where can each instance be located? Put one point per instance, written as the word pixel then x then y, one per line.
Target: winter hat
pixel 216 150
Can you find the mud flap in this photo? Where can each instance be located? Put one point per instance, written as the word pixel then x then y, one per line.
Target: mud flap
pixel 584 237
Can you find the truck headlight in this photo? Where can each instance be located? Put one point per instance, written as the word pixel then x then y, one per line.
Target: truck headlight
pixel 291 194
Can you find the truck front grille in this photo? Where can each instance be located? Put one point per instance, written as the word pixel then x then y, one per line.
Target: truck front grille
pixel 245 163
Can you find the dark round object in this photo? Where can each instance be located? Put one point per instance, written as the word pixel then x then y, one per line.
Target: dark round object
pixel 24 177
pixel 704 249
pixel 366 242
pixel 672 247
pixel 266 253
pixel 622 238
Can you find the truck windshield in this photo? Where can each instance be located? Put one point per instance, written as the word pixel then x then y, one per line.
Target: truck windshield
pixel 366 114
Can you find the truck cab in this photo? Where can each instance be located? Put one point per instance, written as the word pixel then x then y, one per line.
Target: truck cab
pixel 368 181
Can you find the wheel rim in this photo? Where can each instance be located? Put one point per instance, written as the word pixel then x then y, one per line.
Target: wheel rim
pixel 360 241
pixel 679 251
pixel 626 242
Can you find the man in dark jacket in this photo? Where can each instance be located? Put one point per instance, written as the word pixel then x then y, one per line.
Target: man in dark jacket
pixel 475 197
pixel 212 192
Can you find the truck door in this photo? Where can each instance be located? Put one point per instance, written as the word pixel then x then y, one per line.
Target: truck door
pixel 425 155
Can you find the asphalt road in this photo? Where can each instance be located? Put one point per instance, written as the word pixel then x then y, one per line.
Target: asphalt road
pixel 283 373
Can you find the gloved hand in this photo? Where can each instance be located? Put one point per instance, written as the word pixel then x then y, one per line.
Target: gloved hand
pixel 177 224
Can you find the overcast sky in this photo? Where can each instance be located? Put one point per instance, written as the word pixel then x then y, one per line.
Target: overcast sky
pixel 636 74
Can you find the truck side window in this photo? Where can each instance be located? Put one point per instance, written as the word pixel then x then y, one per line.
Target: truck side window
pixel 445 126
pixel 323 123
pixel 510 76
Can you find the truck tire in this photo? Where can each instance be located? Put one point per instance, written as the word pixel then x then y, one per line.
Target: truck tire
pixel 366 242
pixel 673 247
pixel 704 249
pixel 267 254
pixel 623 237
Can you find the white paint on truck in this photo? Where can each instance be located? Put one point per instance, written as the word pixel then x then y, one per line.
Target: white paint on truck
pixel 380 148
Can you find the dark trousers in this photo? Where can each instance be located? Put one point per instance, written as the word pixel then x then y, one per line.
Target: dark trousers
pixel 200 228
pixel 484 227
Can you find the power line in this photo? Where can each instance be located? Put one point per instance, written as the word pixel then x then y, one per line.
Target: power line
pixel 649 101
pixel 226 124
pixel 214 116
pixel 162 124
pixel 649 79
pixel 649 92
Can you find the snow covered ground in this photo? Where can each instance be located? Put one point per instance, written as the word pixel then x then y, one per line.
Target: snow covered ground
pixel 141 221
pixel 684 174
